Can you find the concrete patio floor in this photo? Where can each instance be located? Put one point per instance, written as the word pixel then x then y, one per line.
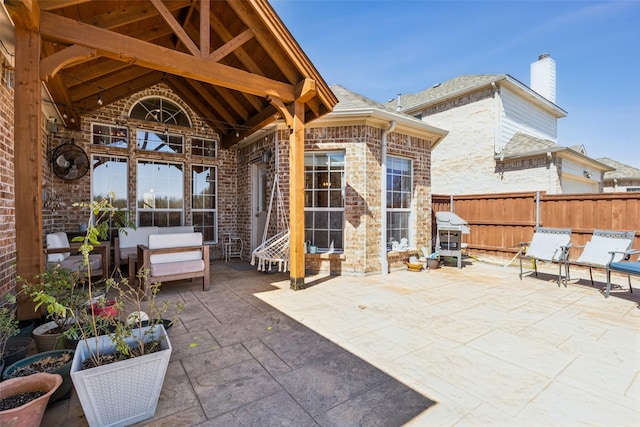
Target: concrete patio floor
pixel 475 346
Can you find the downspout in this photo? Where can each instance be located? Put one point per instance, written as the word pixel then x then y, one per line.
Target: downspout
pixel 384 264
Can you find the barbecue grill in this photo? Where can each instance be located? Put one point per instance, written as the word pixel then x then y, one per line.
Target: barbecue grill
pixel 449 236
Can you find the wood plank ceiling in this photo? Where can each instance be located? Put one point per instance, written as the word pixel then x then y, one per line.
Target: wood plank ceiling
pixel 233 62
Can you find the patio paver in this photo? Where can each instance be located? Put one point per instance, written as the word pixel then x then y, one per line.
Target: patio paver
pixel 475 346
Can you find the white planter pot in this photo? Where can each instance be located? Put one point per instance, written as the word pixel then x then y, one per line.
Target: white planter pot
pixel 120 393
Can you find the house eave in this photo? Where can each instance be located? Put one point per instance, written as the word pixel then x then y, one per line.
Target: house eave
pixel 562 152
pixel 379 118
pixel 509 82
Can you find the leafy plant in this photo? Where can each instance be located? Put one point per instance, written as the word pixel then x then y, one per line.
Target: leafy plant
pixel 87 324
pixel 8 323
pixel 59 290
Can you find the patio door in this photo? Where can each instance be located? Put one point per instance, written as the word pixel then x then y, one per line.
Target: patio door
pixel 259 202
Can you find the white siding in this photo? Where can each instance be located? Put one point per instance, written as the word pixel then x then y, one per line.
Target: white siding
pixel 570 186
pixel 518 115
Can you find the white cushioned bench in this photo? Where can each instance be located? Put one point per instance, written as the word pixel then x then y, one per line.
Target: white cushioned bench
pixel 129 238
pixel 175 256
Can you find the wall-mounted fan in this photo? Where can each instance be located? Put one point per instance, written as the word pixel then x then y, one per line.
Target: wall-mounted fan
pixel 69 161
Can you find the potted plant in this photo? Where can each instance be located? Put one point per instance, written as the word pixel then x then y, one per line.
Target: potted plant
pixel 63 286
pixel 12 348
pixel 52 362
pixel 24 400
pixel 132 356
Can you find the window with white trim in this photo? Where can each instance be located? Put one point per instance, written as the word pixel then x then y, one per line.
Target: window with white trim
pixel 399 190
pixel 324 200
pixel 110 136
pixel 159 142
pixel 160 110
pixel 160 193
pixel 109 175
pixel 204 201
pixel 204 147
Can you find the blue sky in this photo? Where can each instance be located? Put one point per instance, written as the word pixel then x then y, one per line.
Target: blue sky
pixel 379 48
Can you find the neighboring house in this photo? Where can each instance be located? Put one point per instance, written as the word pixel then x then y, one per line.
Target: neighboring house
pixel 624 178
pixel 502 135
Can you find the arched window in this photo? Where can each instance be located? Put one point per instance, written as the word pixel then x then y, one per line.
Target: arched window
pixel 160 110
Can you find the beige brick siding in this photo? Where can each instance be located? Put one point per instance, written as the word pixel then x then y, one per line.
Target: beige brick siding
pixel 464 162
pixel 362 147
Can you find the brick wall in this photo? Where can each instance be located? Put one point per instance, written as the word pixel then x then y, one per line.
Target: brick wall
pixel 361 144
pixel 7 189
pixel 61 215
pixel 362 147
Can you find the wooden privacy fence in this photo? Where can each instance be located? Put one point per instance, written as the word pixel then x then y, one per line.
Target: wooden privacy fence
pixel 500 221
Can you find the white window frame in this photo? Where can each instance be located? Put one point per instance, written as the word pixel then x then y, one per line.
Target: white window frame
pixel 212 155
pixel 153 210
pixel 124 196
pixel 215 208
pixel 403 209
pixel 310 231
pixel 163 136
pixel 112 137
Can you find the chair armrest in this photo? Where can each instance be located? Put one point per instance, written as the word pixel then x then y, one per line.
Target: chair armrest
pixel 102 249
pixel 73 247
pixel 627 254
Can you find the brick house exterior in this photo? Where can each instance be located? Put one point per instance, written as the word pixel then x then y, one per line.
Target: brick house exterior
pixel 356 127
pixel 502 136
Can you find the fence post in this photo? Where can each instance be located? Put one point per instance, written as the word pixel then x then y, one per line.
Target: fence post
pixel 537 209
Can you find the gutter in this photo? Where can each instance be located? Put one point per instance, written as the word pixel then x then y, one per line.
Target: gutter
pixel 384 263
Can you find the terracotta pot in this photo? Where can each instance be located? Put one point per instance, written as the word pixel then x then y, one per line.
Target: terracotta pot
pixel 29 414
pixel 63 370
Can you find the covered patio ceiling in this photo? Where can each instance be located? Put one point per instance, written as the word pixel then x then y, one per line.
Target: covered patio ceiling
pixel 233 62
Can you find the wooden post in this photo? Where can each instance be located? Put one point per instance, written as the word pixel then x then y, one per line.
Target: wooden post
pixel 27 162
pixel 296 198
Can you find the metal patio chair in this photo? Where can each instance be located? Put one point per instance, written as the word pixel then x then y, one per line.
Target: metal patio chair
pixel 547 244
pixel 597 252
pixel 627 267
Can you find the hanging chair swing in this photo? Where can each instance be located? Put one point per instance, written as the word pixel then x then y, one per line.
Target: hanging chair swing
pixel 275 249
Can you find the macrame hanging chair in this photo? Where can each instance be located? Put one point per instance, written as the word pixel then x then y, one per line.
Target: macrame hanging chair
pixel 275 249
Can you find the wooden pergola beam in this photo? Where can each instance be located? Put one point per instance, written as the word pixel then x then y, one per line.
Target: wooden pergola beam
pixel 296 197
pixel 176 27
pixel 127 49
pixel 231 45
pixel 27 158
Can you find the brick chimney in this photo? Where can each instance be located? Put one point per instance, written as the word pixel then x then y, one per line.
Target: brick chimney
pixel 543 77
